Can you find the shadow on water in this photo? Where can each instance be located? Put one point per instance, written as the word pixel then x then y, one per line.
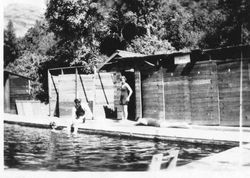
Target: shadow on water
pixel 28 148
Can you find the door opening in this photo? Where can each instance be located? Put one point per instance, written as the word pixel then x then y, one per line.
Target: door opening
pixel 131 105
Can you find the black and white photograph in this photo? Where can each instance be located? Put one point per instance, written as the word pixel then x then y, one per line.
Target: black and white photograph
pixel 126 88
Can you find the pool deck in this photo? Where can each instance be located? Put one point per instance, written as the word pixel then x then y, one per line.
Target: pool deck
pixel 192 133
pixel 235 159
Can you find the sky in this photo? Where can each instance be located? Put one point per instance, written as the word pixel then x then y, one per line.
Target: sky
pixel 22 25
pixel 40 3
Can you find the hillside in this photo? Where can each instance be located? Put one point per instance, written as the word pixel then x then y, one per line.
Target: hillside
pixel 23 16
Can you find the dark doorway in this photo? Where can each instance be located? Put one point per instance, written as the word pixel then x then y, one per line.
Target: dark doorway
pixel 130 76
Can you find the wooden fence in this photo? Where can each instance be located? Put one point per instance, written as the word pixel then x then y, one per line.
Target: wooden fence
pixel 95 90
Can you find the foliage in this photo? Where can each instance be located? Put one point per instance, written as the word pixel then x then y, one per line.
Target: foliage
pixel 85 32
pixel 34 48
pixel 10 44
pixel 150 45
pixel 222 22
pixel 78 26
pixel 235 29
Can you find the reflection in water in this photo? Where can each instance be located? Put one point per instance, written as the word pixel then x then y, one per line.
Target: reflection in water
pixel 35 149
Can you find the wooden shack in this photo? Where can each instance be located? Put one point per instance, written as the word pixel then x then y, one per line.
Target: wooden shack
pixel 16 87
pixel 204 87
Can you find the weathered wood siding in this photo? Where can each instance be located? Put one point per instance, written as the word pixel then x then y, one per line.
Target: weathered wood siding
pixel 53 84
pixel 18 90
pixel 67 94
pixel 138 96
pixel 64 88
pixel 108 81
pixel 246 93
pixel 32 108
pixel 204 93
pixel 6 94
pixel 207 95
pixel 229 87
pixel 177 97
pixel 152 94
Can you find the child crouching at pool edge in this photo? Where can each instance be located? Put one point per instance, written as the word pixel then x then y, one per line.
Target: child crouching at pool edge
pixel 78 115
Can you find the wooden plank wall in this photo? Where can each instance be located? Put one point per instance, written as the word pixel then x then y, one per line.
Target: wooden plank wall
pixel 108 81
pixel 246 94
pixel 19 90
pixel 7 94
pixel 138 96
pixel 67 94
pixel 177 96
pixel 229 87
pixel 32 108
pixel 204 93
pixel 208 95
pixel 53 83
pixel 152 94
pixel 70 86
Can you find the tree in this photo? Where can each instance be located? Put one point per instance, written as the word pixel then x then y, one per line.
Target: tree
pixel 235 29
pixel 10 44
pixel 126 21
pixel 166 19
pixel 150 45
pixel 77 25
pixel 34 51
pixel 222 22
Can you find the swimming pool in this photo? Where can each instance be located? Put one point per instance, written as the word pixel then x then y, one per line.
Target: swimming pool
pixel 28 148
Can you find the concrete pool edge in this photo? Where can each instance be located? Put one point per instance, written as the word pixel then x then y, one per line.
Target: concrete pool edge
pixel 206 136
pixel 154 137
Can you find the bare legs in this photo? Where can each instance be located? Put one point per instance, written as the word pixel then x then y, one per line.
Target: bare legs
pixel 74 125
pixel 124 112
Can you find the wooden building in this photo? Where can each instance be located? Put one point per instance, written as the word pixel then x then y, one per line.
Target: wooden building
pixel 16 87
pixel 205 87
pixel 98 90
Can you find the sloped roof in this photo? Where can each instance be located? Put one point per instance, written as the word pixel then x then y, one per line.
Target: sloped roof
pixel 121 54
pixel 199 54
pixel 12 73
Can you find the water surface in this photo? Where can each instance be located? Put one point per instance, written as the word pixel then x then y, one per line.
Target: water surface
pixel 28 148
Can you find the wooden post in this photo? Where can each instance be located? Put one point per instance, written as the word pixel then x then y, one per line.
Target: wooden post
pixel 138 93
pixel 218 94
pixel 49 90
pixel 75 82
pixel 163 94
pixel 7 94
pixel 155 164
pixel 241 99
pixel 94 97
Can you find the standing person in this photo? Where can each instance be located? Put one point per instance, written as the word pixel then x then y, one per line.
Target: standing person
pixel 126 93
pixel 78 116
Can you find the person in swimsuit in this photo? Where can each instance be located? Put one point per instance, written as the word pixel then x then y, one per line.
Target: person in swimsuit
pixel 126 93
pixel 78 116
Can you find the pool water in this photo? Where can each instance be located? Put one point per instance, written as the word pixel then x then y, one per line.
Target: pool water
pixel 28 148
